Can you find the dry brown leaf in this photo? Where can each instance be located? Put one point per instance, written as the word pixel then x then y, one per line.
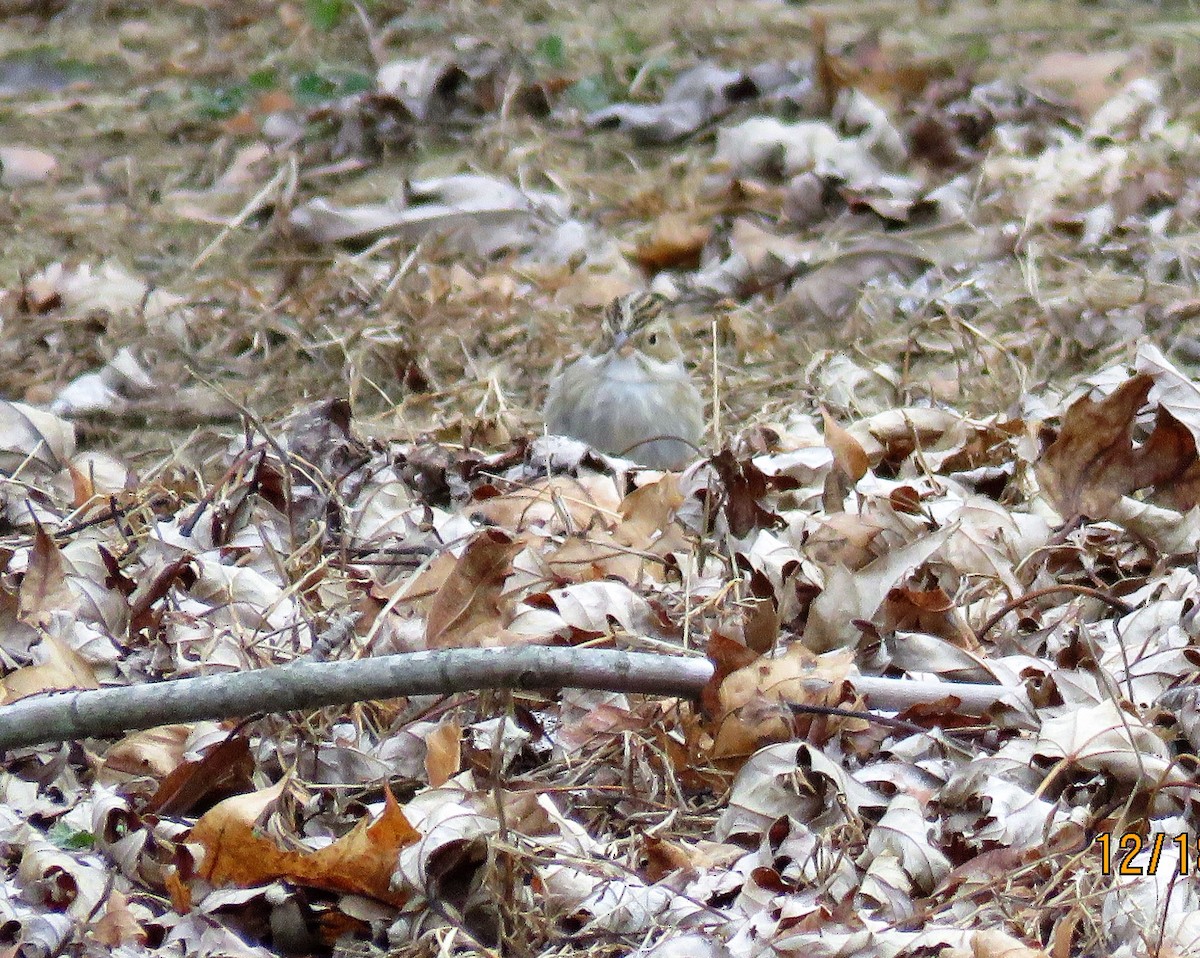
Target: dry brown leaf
pixel 588 501
pixel 363 860
pixel 646 512
pixel 44 588
pixel 118 925
pixel 676 243
pixel 234 853
pixel 225 769
pixel 745 485
pixel 1093 461
pixel 834 286
pixel 663 857
pixel 482 214
pixel 727 657
pixel 783 678
pixel 600 555
pixel 769 256
pixel 845 538
pixel 95 476
pixel 1063 935
pixel 421 588
pixel 589 606
pixel 470 596
pixel 759 612
pixel 760 624
pixel 848 453
pixel 603 722
pixel 870 70
pixel 996 944
pixel 443 752
pixel 894 435
pixel 154 752
pixel 930 611
pixel 1087 79
pixel 754 701
pixel 1104 738
pixel 583 289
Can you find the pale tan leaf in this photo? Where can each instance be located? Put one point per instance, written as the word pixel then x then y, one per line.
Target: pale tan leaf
pixel 470 595
pixel 443 752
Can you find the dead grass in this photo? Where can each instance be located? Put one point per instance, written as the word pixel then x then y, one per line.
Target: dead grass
pixel 274 323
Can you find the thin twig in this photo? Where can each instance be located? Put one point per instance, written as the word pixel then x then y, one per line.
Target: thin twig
pixel 1123 607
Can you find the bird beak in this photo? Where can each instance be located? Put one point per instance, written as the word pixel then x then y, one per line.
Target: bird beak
pixel 621 344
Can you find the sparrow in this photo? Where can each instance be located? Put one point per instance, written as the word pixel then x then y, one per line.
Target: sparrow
pixel 633 397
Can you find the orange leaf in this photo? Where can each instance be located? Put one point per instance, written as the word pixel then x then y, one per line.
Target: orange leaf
pixel 276 101
pixel 647 511
pixel 178 890
pixel 848 453
pixel 234 853
pixel 361 862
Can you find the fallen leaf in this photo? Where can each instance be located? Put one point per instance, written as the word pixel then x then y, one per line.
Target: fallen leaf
pixel 1093 461
pixel 744 486
pixel 60 668
pixel 118 926
pixel 154 752
pixel 443 752
pixel 848 454
pixel 44 588
pixel 753 701
pixel 1086 78
pixel 830 289
pixel 470 596
pixel 223 770
pixel 930 611
pixel 361 862
pixel 676 243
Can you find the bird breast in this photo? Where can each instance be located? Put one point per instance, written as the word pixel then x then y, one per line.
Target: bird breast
pixel 615 403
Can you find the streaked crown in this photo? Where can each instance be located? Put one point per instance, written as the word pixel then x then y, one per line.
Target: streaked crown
pixel 632 312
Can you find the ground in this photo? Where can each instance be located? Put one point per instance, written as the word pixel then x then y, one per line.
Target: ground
pixel 283 288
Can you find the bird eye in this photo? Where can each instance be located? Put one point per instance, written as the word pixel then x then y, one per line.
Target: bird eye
pixel 653 339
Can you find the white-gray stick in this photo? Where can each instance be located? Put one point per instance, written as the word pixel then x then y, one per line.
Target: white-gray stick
pixel 61 716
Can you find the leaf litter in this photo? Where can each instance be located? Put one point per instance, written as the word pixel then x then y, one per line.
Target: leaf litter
pixel 935 280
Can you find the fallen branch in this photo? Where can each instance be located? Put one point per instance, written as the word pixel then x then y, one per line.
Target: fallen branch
pixel 304 686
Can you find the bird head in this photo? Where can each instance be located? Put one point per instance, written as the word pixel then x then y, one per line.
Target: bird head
pixel 635 323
